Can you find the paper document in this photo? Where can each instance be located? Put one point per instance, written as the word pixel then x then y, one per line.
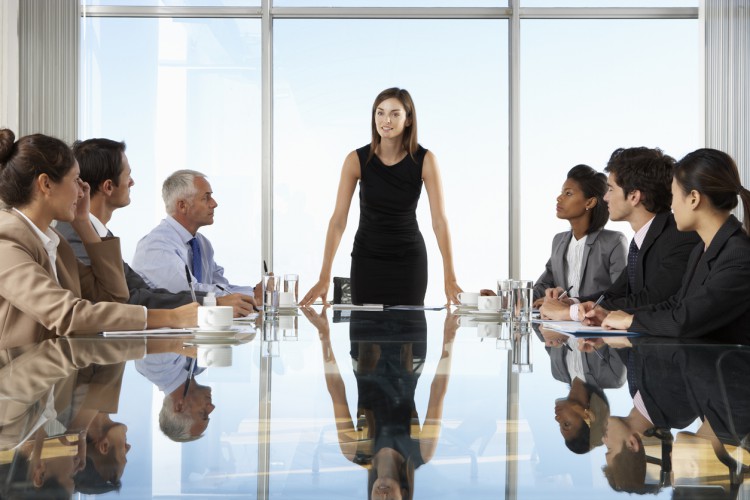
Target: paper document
pixel 577 329
pixel 415 308
pixel 352 307
pixel 150 333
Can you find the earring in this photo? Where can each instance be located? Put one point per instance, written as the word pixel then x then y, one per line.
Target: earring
pixel 587 209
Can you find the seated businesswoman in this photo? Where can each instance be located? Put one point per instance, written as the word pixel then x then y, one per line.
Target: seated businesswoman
pixel 713 299
pixel 587 258
pixel 44 290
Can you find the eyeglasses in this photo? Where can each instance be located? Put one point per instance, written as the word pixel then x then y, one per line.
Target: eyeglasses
pixel 191 372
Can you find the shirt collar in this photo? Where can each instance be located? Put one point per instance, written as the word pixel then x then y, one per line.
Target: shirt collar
pixel 49 238
pixel 100 228
pixel 184 234
pixel 640 235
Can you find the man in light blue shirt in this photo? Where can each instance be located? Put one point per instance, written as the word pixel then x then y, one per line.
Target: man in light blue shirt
pixel 161 255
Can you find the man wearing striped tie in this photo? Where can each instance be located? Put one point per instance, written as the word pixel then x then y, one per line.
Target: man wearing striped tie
pixel 639 192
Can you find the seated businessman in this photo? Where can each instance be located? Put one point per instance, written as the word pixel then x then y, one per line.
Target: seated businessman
pixel 639 191
pixel 105 167
pixel 161 255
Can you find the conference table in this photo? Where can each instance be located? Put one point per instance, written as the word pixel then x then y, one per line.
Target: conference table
pixel 302 404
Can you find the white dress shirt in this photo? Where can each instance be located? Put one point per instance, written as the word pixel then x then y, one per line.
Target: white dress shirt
pixel 573 261
pixel 50 240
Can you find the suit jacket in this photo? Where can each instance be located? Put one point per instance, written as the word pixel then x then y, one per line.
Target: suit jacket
pixel 30 374
pixel 34 306
pixel 604 258
pixel 607 372
pixel 140 292
pixel 713 298
pixel 661 264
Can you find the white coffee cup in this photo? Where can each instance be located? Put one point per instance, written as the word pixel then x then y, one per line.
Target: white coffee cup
pixel 488 330
pixel 214 355
pixel 286 299
pixel 215 317
pixel 468 298
pixel 467 321
pixel 489 303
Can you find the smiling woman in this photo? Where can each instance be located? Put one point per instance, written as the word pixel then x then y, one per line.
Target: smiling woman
pixel 42 285
pixel 389 259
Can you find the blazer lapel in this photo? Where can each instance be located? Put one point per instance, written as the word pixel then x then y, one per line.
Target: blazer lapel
pixel 656 228
pixel 731 226
pixel 590 239
pixel 558 260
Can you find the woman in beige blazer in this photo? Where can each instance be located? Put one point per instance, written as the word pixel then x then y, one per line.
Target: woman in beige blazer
pixel 44 290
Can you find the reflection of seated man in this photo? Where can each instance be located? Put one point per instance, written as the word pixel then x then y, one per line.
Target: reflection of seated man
pixel 161 255
pixel 42 467
pixel 387 353
pixel 660 400
pixel 105 167
pixel 187 404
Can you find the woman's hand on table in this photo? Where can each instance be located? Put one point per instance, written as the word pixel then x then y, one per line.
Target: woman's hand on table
pixel 618 320
pixel 451 292
pixel 319 290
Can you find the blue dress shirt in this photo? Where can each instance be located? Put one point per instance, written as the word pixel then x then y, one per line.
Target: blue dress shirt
pixel 162 254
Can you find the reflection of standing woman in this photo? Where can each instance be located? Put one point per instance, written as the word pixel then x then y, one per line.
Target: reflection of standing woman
pixel 587 258
pixel 389 259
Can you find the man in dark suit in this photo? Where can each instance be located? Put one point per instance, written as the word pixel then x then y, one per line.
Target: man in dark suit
pixel 105 167
pixel 639 192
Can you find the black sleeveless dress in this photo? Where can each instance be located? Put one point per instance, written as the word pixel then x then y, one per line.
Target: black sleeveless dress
pixel 389 259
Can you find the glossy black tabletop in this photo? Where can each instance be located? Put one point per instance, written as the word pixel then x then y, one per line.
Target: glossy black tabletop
pixel 341 404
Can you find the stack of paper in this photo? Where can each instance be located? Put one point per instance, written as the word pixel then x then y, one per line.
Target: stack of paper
pixel 575 328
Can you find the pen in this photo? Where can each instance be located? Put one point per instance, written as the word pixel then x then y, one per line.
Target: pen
pixel 190 282
pixel 565 292
pixel 265 266
pixel 598 301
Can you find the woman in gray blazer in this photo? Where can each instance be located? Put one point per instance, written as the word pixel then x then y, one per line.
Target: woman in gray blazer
pixel 586 258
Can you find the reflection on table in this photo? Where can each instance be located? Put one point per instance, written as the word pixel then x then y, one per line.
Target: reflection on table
pixel 434 405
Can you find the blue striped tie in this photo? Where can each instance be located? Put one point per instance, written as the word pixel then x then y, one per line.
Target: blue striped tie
pixel 197 263
pixel 632 261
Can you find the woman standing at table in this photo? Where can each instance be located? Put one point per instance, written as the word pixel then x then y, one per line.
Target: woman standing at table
pixel 587 258
pixel 42 285
pixel 389 259
pixel 713 298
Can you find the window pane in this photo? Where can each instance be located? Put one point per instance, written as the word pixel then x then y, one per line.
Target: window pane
pixel 390 3
pixel 183 93
pixel 601 85
pixel 609 3
pixel 176 3
pixel 324 89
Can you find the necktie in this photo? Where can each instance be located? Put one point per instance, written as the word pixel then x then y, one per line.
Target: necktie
pixel 197 263
pixel 632 261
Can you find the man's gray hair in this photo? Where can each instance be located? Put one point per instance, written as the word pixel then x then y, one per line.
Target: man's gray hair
pixel 178 186
pixel 176 426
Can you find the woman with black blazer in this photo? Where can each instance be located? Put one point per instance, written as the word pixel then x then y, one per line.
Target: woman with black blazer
pixel 713 299
pixel 586 258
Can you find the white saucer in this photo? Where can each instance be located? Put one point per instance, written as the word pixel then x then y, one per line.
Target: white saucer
pixel 212 332
pixel 486 313
pixel 239 338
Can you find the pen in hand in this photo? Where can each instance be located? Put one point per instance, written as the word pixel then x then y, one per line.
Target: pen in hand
pixel 190 282
pixel 565 292
pixel 598 301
